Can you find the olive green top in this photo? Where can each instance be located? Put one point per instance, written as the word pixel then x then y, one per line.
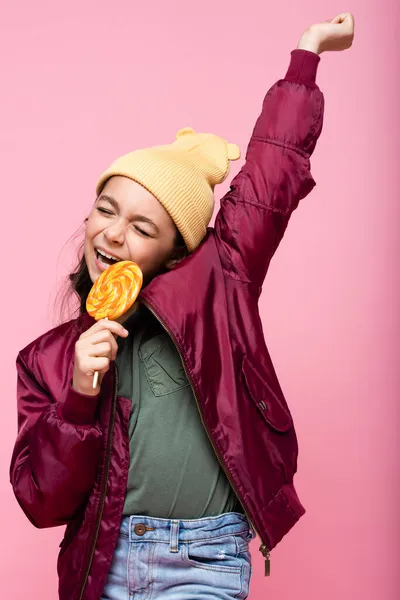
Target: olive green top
pixel 173 471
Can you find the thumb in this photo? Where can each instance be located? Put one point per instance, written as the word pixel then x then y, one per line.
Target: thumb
pixel 341 18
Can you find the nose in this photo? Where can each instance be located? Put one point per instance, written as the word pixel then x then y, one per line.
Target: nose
pixel 115 233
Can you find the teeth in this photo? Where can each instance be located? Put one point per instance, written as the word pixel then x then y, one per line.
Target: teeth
pixel 107 255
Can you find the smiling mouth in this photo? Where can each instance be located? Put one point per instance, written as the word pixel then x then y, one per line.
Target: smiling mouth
pixel 106 259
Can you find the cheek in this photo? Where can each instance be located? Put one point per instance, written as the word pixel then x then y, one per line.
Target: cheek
pixel 90 234
pixel 150 256
pixel 92 219
pixel 93 227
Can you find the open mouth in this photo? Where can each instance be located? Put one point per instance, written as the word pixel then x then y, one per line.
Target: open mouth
pixel 106 259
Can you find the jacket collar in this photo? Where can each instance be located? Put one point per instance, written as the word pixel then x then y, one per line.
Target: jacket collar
pixel 84 321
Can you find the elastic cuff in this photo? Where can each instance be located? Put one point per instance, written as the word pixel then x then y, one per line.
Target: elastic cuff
pixel 78 408
pixel 281 514
pixel 303 67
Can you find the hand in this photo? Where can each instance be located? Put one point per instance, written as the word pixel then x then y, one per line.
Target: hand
pixel 94 350
pixel 337 34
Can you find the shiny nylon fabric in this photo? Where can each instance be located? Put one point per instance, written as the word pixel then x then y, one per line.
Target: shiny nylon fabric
pixel 209 305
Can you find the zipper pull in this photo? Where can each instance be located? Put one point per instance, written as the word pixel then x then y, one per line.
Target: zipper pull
pixel 265 552
pixel 267 566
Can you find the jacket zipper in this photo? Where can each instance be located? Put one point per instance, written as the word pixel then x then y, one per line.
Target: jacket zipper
pixel 263 548
pixel 104 490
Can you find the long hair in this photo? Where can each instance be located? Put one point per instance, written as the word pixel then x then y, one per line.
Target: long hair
pixel 77 284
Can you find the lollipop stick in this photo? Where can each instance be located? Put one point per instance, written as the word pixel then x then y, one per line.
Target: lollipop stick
pixel 96 374
pixel 95 379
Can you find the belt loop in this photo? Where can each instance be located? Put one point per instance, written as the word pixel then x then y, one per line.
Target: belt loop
pixel 174 536
pixel 130 528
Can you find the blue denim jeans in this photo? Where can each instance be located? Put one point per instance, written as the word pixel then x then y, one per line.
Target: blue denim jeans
pixel 188 559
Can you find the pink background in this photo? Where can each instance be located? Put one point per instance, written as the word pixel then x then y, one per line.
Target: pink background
pixel 83 82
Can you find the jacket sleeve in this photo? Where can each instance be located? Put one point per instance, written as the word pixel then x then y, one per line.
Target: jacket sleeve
pixel 276 175
pixel 55 457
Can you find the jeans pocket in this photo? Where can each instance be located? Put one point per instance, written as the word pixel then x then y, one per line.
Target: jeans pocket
pixel 242 544
pixel 214 554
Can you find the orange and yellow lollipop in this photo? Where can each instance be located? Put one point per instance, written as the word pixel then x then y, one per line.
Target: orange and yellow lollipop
pixel 114 292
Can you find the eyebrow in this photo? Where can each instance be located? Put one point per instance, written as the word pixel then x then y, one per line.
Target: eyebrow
pixel 115 205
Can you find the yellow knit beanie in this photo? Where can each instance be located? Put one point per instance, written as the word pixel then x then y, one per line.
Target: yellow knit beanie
pixel 182 176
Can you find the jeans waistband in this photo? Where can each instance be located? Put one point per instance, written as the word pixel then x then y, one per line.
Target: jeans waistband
pixel 141 528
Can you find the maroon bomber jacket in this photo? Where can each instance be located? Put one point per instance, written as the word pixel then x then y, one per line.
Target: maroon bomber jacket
pixel 70 460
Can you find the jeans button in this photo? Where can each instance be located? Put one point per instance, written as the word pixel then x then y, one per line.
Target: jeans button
pixel 139 529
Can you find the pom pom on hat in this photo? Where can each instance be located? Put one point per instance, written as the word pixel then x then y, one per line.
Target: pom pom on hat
pixel 182 176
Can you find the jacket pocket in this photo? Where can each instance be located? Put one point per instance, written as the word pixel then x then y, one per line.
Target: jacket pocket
pixel 163 366
pixel 266 398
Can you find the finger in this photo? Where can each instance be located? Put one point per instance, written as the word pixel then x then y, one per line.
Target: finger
pixel 348 22
pixel 113 345
pixel 106 324
pixel 350 19
pixel 85 346
pixel 105 335
pixel 113 326
pixel 102 349
pixel 342 17
pixel 97 363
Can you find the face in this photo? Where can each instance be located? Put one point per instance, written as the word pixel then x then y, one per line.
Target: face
pixel 128 223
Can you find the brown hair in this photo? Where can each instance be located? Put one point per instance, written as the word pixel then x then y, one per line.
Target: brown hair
pixel 78 284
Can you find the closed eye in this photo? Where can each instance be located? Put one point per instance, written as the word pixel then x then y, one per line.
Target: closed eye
pixel 108 212
pixel 141 231
pixel 103 210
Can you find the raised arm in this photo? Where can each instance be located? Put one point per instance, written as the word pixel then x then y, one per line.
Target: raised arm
pixel 276 175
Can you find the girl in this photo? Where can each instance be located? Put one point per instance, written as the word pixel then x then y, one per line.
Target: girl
pixel 186 449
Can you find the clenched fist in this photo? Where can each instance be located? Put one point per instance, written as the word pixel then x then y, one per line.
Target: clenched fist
pixel 337 34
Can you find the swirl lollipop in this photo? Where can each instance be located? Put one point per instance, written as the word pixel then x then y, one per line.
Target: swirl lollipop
pixel 114 292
